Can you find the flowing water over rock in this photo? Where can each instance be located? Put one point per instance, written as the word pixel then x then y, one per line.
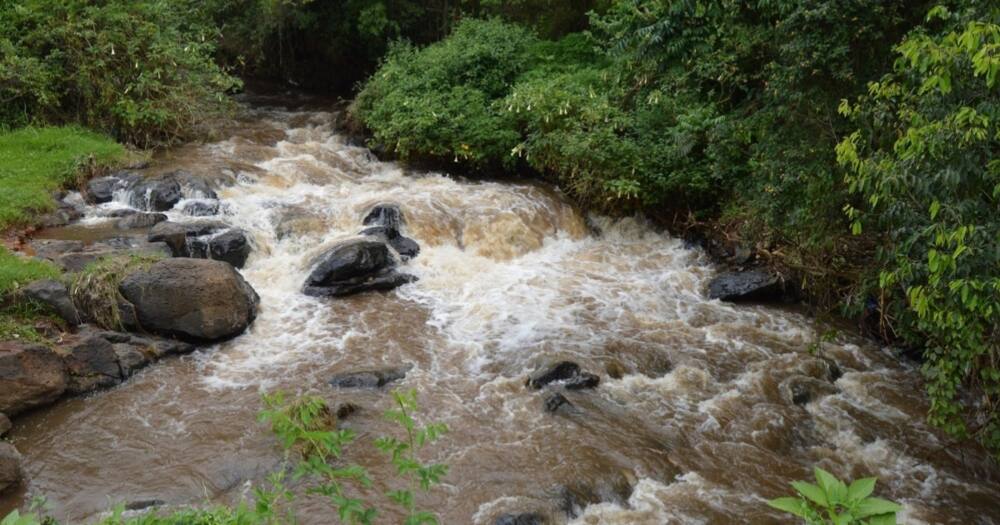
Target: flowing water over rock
pixel 704 409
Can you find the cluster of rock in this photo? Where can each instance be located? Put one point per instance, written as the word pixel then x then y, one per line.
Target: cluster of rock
pixel 367 262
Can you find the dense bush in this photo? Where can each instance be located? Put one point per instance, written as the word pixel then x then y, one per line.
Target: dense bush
pixel 141 71
pixel 925 164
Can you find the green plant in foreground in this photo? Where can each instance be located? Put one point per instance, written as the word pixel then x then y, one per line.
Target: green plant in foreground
pixel 833 502
pixel 306 427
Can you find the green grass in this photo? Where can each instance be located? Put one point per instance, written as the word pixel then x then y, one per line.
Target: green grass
pixel 34 162
pixel 18 271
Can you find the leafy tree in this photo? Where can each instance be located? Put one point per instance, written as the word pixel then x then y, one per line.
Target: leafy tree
pixel 924 163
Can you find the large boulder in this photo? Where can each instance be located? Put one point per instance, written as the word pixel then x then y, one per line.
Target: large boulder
pixel 354 266
pixel 30 376
pixel 192 299
pixel 92 364
pixel 55 296
pixel 750 285
pixel 11 472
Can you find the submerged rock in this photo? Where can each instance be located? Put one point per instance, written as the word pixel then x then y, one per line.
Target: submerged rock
pixel 30 376
pixel 557 402
pixel 354 266
pixel 55 296
pixel 11 472
pixel 758 285
pixel 192 299
pixel 616 488
pixel 800 389
pixel 375 378
pixel 566 371
pixel 201 207
pixel 135 221
pixel 527 518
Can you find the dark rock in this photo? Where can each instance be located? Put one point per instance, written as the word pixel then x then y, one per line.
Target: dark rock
pixel 192 299
pixel 575 497
pixel 528 518
pixel 758 285
pixel 11 472
pixel 800 389
pixel 51 249
pixel 193 186
pixel 176 234
pixel 121 213
pixel 102 189
pixel 154 194
pixel 354 266
pixel 61 216
pixel 387 215
pixel 567 371
pixel 406 247
pixel 130 358
pixel 556 401
pixel 5 425
pixel 140 220
pixel 30 376
pixel 143 504
pixel 369 378
pixel 231 246
pixel 201 207
pixel 345 410
pixel 92 364
pixel 55 296
pixel 583 381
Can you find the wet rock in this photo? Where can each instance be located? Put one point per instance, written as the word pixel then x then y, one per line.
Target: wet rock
pixel 575 497
pixel 800 389
pixel 191 299
pixel 346 410
pixel 134 352
pixel 568 372
pixel 143 504
pixel 11 472
pixel 5 425
pixel 557 402
pixel 387 215
pixel 61 216
pixel 201 207
pixel 139 220
pixel 92 364
pixel 130 358
pixel 615 369
pixel 55 296
pixel 528 518
pixel 176 234
pixel 30 376
pixel 751 285
pixel 406 247
pixel 231 246
pixel 102 189
pixel 73 256
pixel 369 378
pixel 154 194
pixel 354 266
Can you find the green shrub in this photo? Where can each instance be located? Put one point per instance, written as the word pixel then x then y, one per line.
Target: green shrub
pixel 832 502
pixel 34 162
pixel 925 168
pixel 140 71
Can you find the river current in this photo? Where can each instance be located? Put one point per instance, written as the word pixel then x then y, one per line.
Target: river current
pixel 690 422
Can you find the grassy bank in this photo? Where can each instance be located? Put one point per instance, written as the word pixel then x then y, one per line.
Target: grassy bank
pixel 35 161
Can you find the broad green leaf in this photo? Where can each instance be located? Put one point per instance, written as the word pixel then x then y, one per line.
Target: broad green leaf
pixel 796 506
pixel 876 506
pixel 861 489
pixel 811 492
pixel 835 490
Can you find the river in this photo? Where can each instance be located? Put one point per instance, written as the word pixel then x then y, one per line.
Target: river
pixel 688 425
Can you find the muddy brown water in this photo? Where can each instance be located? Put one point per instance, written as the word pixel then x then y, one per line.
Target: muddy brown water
pixel 697 430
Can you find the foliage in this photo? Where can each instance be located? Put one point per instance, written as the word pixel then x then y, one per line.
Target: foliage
pixel 832 502
pixel 95 290
pixel 34 162
pixel 307 428
pixel 924 166
pixel 140 71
